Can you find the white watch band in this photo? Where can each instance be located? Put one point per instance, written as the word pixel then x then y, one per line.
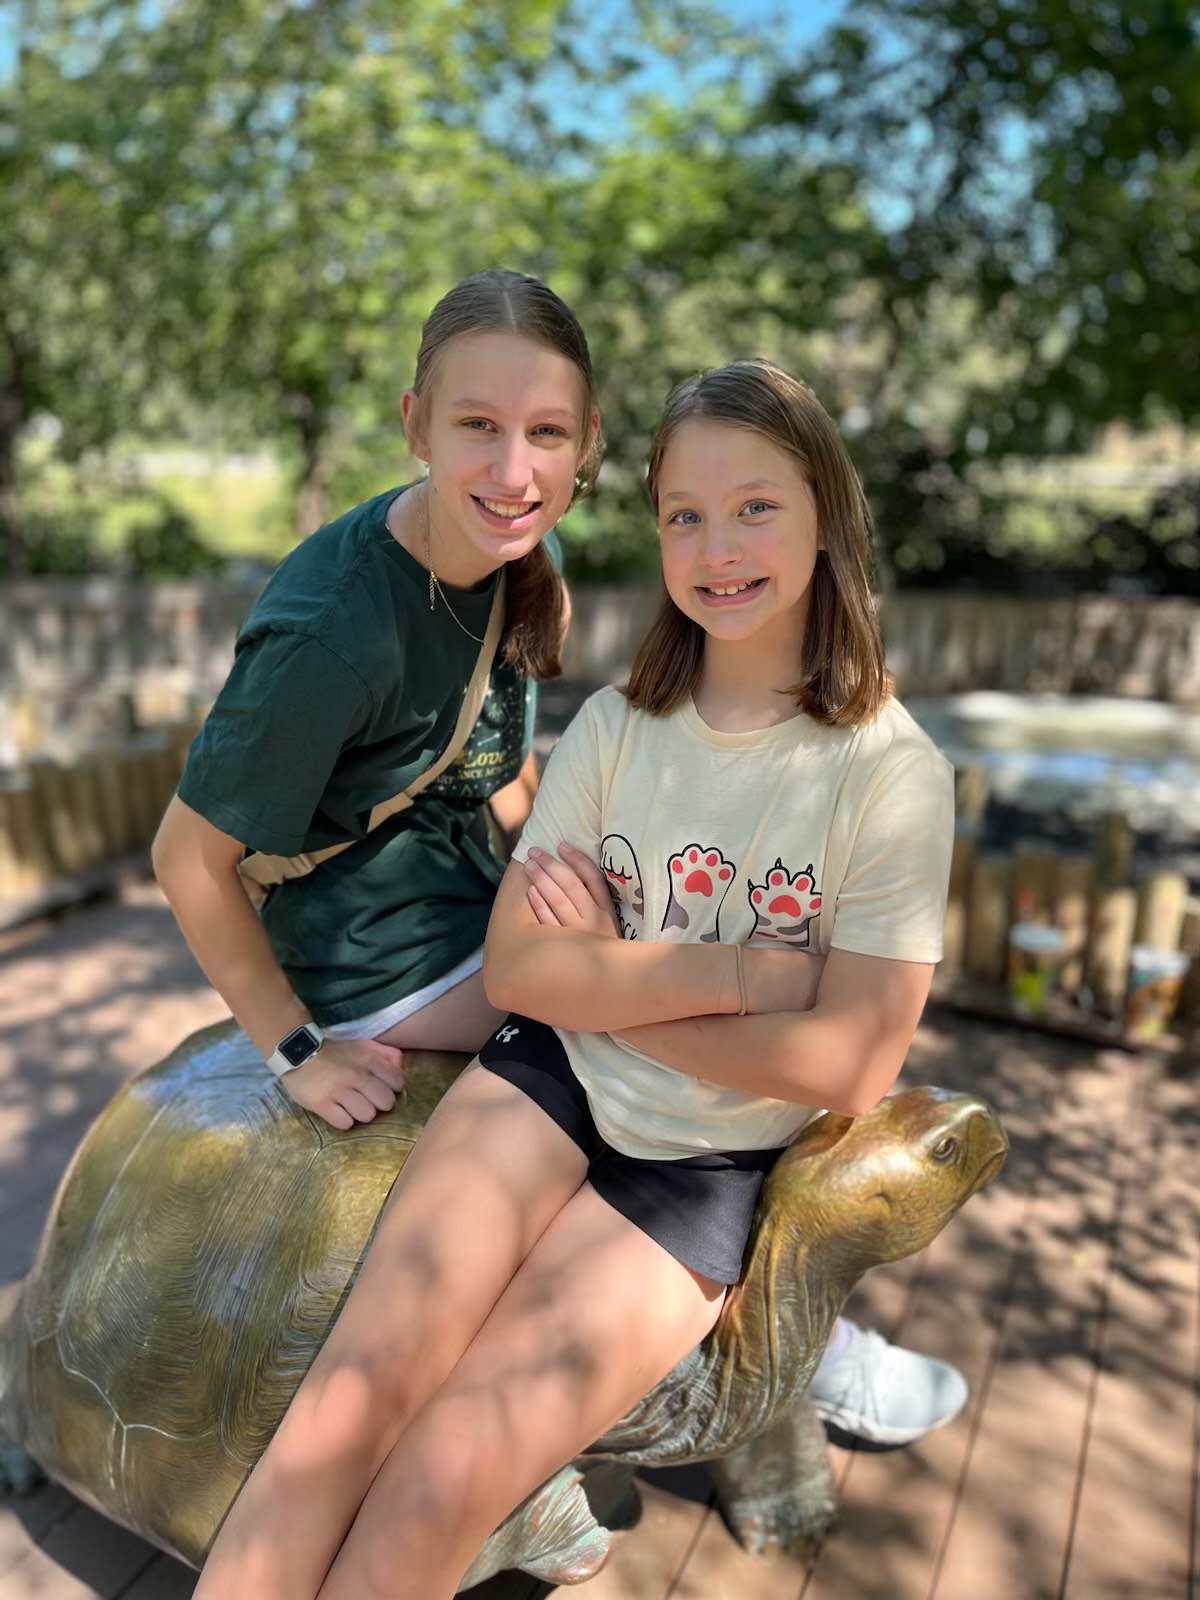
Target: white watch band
pixel 279 1063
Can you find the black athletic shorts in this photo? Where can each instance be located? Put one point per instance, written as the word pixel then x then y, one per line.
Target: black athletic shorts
pixel 699 1208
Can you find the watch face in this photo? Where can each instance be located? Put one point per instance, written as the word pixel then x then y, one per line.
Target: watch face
pixel 298 1046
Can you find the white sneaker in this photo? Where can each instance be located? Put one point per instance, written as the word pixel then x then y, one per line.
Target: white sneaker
pixel 884 1394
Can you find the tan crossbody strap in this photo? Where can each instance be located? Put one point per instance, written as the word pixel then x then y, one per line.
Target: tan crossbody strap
pixel 264 871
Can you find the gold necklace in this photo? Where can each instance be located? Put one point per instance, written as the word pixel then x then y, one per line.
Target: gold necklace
pixel 434 583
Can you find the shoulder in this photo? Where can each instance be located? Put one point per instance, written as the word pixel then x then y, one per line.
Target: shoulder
pixel 598 721
pixel 896 742
pixel 595 733
pixel 612 720
pixel 338 588
pixel 607 708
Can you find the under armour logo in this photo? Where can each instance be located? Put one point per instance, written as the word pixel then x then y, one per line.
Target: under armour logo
pixel 507 1034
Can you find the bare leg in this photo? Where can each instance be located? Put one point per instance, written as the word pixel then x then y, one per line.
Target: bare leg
pixel 460 1019
pixel 487 1176
pixel 595 1317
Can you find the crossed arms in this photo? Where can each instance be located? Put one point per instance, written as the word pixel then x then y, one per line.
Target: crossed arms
pixel 829 1031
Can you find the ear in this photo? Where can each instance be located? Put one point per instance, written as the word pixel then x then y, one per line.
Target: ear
pixel 414 432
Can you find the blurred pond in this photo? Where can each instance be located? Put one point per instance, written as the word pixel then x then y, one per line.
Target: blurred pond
pixel 1077 757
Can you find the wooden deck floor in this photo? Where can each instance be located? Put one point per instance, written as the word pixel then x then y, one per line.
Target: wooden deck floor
pixel 1069 1293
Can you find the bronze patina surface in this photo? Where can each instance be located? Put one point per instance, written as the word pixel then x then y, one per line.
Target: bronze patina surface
pixel 207 1231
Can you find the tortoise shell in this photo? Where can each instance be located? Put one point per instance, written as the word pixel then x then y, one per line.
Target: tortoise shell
pixel 197 1252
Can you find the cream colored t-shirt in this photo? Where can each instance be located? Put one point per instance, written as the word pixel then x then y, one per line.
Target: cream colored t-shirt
pixel 798 835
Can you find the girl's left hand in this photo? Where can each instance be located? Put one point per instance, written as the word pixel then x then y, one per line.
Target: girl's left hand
pixel 569 891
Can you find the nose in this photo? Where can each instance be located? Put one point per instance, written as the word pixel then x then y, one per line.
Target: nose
pixel 722 546
pixel 512 466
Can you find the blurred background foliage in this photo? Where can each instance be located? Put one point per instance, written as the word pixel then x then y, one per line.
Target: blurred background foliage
pixel 973 225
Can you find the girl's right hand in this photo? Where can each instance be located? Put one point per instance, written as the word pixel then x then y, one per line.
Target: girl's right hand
pixel 348 1081
pixel 781 979
pixel 570 891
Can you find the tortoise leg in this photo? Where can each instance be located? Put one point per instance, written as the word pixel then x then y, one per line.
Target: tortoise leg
pixel 563 1532
pixel 777 1492
pixel 19 1472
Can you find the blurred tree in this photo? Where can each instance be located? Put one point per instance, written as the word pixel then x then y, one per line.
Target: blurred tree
pixel 1033 165
pixel 269 197
pixel 692 245
pixel 1042 156
pixel 305 180
pixel 970 223
pixel 69 347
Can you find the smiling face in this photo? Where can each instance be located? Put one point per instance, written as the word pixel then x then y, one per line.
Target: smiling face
pixel 504 429
pixel 738 529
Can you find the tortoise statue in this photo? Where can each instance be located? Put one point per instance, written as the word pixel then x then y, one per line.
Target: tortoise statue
pixel 208 1230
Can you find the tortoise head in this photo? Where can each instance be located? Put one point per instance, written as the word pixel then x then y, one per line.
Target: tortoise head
pixel 862 1190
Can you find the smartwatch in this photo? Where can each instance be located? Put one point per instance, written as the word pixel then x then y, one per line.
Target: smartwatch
pixel 295 1048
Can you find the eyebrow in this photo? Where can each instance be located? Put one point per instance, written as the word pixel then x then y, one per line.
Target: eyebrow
pixel 742 488
pixel 490 405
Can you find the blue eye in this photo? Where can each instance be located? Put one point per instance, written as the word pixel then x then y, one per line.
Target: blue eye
pixel 756 508
pixel 479 424
pixel 550 428
pixel 685 519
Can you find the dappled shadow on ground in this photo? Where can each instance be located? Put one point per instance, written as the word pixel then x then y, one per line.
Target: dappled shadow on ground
pixel 86 1003
pixel 1068 1295
pixel 1090 1133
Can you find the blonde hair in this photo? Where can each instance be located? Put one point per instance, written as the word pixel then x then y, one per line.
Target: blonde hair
pixel 511 302
pixel 843 680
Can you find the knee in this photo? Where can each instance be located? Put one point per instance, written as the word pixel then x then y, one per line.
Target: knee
pixel 441 1469
pixel 347 1406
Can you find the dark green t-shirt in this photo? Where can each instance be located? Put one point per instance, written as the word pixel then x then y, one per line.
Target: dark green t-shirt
pixel 344 689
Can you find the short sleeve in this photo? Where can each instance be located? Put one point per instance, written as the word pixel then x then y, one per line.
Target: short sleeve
pixel 260 764
pixel 892 900
pixel 569 801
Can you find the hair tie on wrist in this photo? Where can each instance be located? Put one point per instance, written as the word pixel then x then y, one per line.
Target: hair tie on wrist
pixel 743 1006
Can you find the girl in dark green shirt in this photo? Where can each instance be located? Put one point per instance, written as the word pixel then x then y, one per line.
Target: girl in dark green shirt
pixel 348 679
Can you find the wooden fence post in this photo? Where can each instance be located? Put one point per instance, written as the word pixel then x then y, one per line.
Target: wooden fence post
pixel 987 917
pixel 32 865
pixel 1072 907
pixel 114 812
pixel 1188 1013
pixel 1162 900
pixel 1034 884
pixel 1114 910
pixel 54 807
pixel 958 902
pixel 83 800
pixel 10 870
pixel 970 798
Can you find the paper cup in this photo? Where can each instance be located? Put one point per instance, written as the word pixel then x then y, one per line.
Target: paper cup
pixel 1035 952
pixel 1155 979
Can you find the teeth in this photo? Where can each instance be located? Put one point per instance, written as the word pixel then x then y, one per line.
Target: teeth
pixel 728 588
pixel 505 508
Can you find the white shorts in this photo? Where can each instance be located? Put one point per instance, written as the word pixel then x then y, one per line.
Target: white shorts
pixel 370 1027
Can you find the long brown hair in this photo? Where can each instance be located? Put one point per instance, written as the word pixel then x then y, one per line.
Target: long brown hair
pixel 498 301
pixel 843 680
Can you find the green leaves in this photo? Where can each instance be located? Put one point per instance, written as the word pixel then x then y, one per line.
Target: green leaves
pixel 970 225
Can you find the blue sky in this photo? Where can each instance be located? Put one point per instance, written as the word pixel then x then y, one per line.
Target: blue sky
pixel 795 24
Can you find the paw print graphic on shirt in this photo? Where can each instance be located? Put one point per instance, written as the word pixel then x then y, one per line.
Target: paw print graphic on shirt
pixel 786 906
pixel 624 878
pixel 699 878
